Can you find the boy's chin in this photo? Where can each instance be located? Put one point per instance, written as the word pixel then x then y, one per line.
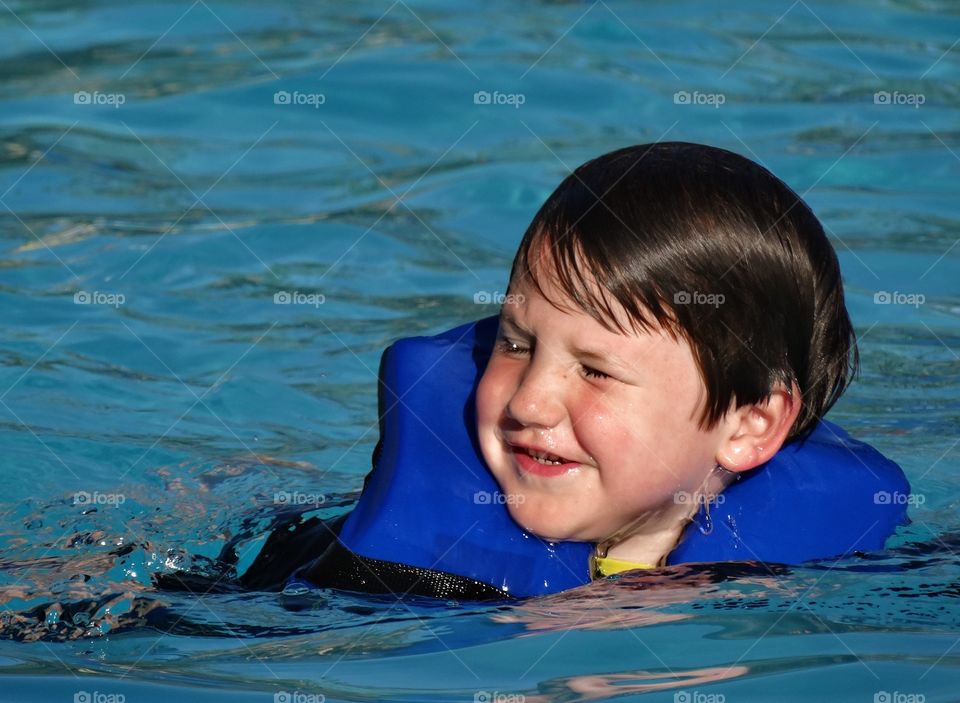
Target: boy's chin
pixel 547 530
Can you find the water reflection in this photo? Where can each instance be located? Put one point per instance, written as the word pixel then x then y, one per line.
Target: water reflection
pixel 601 687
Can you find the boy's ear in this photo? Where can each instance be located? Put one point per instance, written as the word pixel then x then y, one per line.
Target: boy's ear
pixel 756 432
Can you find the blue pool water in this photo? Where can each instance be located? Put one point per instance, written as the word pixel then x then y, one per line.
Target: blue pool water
pixel 178 165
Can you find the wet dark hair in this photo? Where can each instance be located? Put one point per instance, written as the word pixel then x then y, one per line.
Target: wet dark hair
pixel 666 229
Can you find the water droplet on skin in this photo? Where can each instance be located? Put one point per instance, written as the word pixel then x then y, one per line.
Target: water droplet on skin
pixel 705 527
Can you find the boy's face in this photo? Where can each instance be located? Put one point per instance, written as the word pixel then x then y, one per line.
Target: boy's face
pixel 627 442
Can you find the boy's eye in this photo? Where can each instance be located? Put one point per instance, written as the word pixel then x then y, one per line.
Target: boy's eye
pixel 593 373
pixel 508 346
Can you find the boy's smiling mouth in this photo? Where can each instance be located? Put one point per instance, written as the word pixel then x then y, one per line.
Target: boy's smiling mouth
pixel 536 460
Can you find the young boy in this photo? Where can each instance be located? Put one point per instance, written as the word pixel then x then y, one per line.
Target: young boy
pixel 676 315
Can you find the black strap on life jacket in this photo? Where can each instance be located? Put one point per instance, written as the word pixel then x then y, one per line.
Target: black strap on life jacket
pixel 340 568
pixel 295 547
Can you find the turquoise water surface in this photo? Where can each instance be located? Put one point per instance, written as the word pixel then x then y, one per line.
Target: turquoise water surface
pixel 167 170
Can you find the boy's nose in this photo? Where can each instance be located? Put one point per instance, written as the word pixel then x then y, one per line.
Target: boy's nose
pixel 537 400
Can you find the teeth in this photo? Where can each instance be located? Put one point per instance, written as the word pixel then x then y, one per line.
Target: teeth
pixel 544 458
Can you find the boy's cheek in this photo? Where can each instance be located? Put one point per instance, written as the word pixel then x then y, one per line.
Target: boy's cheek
pixel 493 392
pixel 490 405
pixel 484 399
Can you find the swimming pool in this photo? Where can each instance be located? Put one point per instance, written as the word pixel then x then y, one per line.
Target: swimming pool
pixel 216 215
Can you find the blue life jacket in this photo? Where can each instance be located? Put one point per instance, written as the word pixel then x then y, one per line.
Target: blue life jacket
pixel 430 502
